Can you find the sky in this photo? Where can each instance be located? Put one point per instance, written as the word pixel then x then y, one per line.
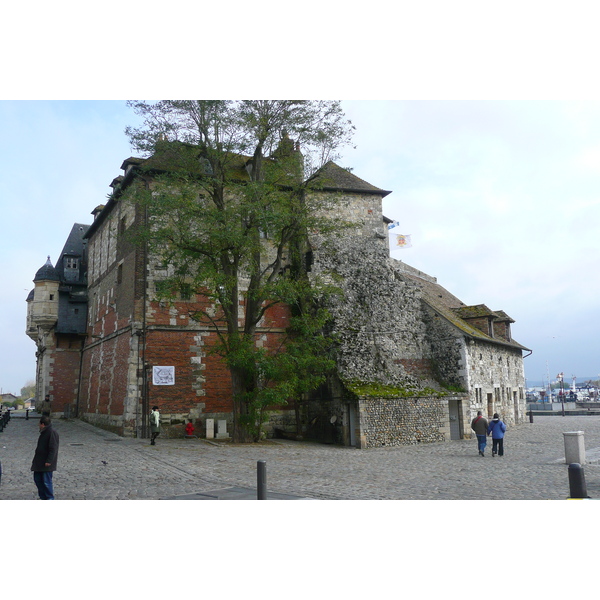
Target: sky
pixel 501 200
pixel 483 122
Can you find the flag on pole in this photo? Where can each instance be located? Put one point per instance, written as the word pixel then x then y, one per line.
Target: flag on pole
pixel 399 241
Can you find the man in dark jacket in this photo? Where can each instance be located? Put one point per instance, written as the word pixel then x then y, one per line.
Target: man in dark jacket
pixel 45 459
pixel 479 425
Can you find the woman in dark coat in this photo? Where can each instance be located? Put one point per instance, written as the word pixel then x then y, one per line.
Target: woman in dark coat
pixel 497 429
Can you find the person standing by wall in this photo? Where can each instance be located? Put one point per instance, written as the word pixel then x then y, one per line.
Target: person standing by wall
pixel 46 407
pixel 154 425
pixel 479 425
pixel 45 459
pixel 497 429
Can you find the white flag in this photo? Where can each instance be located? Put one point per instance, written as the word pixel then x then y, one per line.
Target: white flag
pixel 398 241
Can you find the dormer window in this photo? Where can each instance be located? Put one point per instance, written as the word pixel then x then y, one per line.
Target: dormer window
pixel 71 268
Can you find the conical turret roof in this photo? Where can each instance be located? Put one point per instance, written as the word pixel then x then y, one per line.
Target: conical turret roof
pixel 47 273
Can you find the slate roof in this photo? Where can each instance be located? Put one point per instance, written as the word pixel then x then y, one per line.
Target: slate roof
pixel 332 177
pixel 47 273
pixel 74 244
pixel 451 308
pixel 179 156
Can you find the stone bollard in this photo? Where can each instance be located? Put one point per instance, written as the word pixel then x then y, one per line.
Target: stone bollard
pixel 574 447
pixel 210 429
pixel 577 487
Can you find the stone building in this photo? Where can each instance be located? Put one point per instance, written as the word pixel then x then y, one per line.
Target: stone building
pixel 414 364
pixel 56 322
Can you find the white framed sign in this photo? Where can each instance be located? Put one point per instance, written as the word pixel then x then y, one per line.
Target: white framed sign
pixel 163 375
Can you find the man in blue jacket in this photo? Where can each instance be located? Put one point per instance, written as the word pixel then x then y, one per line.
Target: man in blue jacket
pixel 497 429
pixel 45 459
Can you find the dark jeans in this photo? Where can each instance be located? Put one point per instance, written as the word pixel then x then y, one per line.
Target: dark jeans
pixel 481 442
pixel 498 445
pixel 43 481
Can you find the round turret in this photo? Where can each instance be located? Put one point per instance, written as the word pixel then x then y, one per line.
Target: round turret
pixel 47 273
pixel 42 310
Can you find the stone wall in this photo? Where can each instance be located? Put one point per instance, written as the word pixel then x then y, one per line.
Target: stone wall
pixel 497 381
pixel 378 318
pixel 403 421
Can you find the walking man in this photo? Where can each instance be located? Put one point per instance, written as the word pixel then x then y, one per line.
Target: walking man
pixel 497 429
pixel 45 459
pixel 479 425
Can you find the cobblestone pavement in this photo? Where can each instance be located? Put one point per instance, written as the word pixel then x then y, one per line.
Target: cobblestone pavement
pixel 96 465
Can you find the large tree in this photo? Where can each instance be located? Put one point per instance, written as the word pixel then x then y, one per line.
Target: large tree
pixel 230 218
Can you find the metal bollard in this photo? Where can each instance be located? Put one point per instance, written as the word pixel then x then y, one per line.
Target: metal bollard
pixel 531 416
pixel 261 480
pixel 577 487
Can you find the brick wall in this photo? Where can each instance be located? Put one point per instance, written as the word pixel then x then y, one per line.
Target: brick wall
pixel 64 374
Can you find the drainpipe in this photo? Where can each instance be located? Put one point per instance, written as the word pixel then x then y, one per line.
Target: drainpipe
pixel 145 387
pixel 80 374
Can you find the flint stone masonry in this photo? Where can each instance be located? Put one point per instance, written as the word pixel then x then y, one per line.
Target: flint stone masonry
pixel 378 319
pixel 403 421
pixel 391 333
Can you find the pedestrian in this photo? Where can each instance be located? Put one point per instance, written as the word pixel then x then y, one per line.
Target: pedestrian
pixel 46 406
pixel 479 425
pixel 154 425
pixel 45 459
pixel 497 429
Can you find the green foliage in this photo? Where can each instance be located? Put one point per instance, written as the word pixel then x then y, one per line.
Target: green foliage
pixel 28 390
pixel 457 389
pixel 379 390
pixel 228 218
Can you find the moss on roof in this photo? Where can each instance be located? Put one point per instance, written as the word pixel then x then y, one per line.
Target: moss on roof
pixel 451 308
pixel 472 312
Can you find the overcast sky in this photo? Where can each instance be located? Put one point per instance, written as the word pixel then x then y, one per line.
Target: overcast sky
pixel 501 199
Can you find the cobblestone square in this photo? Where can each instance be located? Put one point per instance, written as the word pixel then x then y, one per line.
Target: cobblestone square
pixel 97 465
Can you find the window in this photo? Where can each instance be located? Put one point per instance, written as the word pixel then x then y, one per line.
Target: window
pixel 120 273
